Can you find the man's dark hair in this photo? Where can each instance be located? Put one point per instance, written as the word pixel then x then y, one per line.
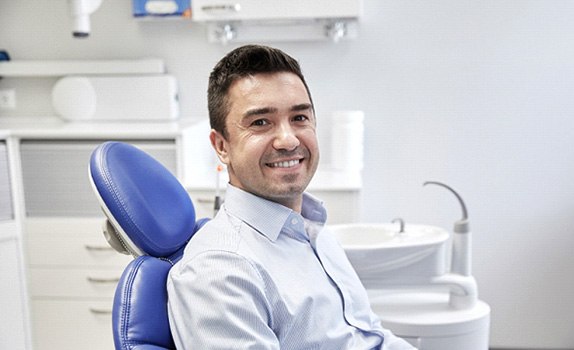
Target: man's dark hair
pixel 242 62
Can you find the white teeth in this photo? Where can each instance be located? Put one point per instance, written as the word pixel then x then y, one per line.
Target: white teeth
pixel 286 164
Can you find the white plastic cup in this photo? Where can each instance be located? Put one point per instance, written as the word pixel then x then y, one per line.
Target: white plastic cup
pixel 347 148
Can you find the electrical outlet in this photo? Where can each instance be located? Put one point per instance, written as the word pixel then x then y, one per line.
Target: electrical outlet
pixel 8 99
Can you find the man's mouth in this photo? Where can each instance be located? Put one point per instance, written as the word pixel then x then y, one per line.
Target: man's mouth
pixel 284 164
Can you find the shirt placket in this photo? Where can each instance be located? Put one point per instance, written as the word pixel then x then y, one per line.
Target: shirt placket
pixel 347 299
pixel 295 227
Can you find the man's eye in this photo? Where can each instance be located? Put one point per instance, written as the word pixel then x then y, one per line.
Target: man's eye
pixel 300 118
pixel 259 122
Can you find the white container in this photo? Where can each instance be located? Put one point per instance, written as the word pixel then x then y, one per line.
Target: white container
pixel 116 98
pixel 347 147
pixel 426 320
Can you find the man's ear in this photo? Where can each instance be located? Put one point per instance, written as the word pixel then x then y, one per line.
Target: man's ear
pixel 219 144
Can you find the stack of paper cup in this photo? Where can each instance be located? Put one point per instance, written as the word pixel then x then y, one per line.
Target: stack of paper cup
pixel 347 140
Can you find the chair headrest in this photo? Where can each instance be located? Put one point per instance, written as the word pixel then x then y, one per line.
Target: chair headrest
pixel 149 209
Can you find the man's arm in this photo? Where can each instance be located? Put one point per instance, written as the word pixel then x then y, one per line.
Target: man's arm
pixel 217 301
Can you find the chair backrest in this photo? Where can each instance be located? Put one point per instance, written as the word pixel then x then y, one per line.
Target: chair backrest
pixel 151 216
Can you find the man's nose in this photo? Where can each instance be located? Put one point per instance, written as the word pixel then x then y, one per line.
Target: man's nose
pixel 286 138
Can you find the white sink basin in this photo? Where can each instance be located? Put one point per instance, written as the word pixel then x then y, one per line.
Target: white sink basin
pixel 383 256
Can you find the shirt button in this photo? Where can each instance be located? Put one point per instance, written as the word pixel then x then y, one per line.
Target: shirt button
pixel 294 221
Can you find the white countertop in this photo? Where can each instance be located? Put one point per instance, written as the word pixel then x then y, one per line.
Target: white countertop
pixel 48 127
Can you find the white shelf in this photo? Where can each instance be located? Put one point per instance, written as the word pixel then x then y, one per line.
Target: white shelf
pixel 71 67
pixel 55 128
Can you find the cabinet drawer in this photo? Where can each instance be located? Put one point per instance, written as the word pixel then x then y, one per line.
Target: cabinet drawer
pixel 70 243
pixel 73 325
pixel 203 203
pixel 343 206
pixel 73 283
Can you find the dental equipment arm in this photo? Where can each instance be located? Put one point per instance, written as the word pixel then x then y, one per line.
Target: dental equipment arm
pixel 80 10
pixel 463 287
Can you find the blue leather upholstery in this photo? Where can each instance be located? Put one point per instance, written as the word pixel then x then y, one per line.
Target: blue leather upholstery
pixel 144 198
pixel 151 216
pixel 139 314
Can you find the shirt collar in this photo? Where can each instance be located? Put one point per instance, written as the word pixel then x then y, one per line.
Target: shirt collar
pixel 313 209
pixel 267 217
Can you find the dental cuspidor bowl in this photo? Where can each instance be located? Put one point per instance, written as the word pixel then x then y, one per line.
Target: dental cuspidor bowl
pixel 384 257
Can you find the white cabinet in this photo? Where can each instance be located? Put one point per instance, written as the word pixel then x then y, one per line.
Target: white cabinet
pixel 70 270
pixel 72 276
pixel 278 20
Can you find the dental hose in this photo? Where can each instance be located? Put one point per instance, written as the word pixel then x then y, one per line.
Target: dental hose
pixel 461 242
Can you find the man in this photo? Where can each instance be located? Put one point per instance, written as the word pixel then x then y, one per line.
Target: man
pixel 264 273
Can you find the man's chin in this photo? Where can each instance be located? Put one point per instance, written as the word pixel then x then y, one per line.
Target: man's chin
pixel 285 191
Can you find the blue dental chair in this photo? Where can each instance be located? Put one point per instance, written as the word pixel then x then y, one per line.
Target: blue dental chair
pixel 150 216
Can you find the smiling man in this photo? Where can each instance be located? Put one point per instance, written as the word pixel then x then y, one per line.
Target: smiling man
pixel 265 273
pixel 270 145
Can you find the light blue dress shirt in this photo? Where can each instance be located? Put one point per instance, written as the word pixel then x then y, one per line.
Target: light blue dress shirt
pixel 261 276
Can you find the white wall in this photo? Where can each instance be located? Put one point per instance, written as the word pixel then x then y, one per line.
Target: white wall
pixel 478 94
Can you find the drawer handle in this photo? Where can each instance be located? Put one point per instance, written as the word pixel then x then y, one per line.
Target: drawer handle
pixel 97 311
pixel 98 248
pixel 103 280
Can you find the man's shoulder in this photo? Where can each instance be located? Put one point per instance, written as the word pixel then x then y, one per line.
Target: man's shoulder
pixel 217 234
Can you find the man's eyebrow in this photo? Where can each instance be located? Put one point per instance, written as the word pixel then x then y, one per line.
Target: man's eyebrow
pixel 302 107
pixel 259 111
pixel 268 110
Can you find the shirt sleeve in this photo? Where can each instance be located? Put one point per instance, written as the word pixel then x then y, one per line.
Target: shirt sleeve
pixel 217 301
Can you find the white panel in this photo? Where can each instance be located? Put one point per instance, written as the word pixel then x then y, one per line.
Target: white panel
pixel 12 326
pixel 218 10
pixel 6 209
pixel 55 174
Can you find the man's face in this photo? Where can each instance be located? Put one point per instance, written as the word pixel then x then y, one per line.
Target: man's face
pixel 271 148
